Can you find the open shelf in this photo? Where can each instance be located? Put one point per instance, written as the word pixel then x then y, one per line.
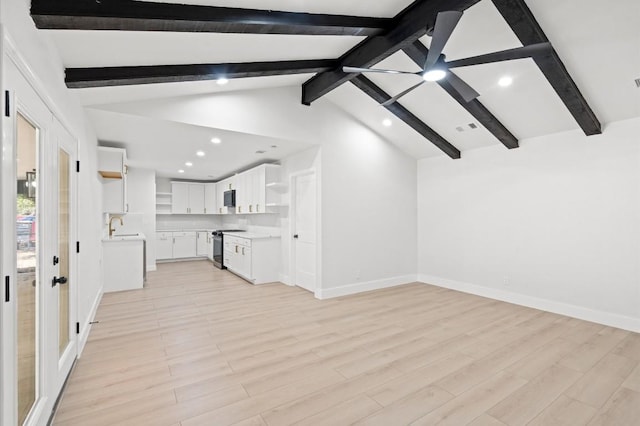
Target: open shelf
pixel 277 186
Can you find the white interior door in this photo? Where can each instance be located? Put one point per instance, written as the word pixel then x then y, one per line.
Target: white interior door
pixel 304 231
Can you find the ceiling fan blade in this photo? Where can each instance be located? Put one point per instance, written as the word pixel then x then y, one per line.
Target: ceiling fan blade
pixel 503 55
pixel 401 94
pixel 445 24
pixel 378 70
pixel 467 92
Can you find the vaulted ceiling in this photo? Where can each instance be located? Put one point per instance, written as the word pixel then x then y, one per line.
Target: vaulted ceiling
pixel 121 55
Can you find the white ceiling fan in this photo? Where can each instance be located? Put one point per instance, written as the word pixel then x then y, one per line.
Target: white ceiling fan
pixel 436 68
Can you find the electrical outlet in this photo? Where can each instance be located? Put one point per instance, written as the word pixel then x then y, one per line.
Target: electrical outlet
pixel 506 281
pixel 357 274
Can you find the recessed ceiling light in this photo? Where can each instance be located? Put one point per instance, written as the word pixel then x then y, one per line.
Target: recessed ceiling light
pixel 260 152
pixel 387 122
pixel 434 75
pixel 216 140
pixel 274 146
pixel 505 81
pixel 188 164
pixel 180 171
pixel 221 81
pixel 200 153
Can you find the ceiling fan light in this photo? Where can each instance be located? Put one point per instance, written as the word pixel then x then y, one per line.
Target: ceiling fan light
pixel 434 75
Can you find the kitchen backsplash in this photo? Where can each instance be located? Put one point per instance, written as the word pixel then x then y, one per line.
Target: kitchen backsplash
pixel 260 223
pixel 185 221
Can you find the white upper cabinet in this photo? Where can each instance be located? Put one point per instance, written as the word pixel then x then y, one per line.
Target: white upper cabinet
pixel 112 162
pixel 179 198
pixel 210 198
pixel 242 201
pixel 112 166
pixel 187 198
pixel 254 188
pixel 196 198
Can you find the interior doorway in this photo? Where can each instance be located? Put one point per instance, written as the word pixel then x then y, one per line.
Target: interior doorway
pixel 304 230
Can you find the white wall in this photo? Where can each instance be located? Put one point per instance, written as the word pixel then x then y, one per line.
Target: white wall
pixel 141 196
pixel 368 211
pixel 554 224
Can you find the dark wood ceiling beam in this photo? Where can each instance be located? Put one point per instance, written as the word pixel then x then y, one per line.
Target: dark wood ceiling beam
pixel 120 76
pixel 526 28
pixel 129 15
pixel 418 54
pixel 409 25
pixel 380 96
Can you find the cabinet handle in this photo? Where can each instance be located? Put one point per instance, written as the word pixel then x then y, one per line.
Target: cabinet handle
pixel 236 249
pixel 250 208
pixel 205 210
pixel 257 208
pixel 243 251
pixel 239 209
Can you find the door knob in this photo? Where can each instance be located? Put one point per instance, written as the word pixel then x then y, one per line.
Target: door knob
pixel 56 280
pixel 295 236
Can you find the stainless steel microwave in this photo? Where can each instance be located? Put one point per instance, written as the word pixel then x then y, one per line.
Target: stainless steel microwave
pixel 230 198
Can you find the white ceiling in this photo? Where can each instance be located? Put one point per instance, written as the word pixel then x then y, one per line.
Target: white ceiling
pixel 598 42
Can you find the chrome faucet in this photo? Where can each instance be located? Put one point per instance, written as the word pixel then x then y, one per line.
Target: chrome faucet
pixel 111 229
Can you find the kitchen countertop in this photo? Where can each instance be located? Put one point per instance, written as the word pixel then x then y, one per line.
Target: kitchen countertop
pixel 186 230
pixel 251 235
pixel 124 237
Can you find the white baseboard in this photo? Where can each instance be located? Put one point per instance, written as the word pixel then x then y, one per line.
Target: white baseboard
pixel 579 312
pixel 284 279
pixel 345 290
pixel 151 268
pixel 86 327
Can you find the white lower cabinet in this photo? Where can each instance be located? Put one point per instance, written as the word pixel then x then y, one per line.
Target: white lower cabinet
pixel 184 245
pixel 257 260
pixel 123 265
pixel 164 245
pixel 201 243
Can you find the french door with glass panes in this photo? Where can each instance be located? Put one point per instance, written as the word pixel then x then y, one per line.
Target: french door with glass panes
pixel 38 340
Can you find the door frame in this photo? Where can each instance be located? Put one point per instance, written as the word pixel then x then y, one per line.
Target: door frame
pixel 292 215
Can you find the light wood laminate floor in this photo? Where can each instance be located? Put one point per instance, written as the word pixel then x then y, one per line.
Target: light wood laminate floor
pixel 199 346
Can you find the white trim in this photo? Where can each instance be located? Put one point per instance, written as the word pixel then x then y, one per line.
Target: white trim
pixel 579 312
pixel 151 267
pixel 284 279
pixel 345 290
pixel 86 327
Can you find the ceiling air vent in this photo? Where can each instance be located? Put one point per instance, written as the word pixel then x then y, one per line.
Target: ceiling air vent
pixel 460 129
pixel 638 83
pixel 260 152
pixel 473 125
